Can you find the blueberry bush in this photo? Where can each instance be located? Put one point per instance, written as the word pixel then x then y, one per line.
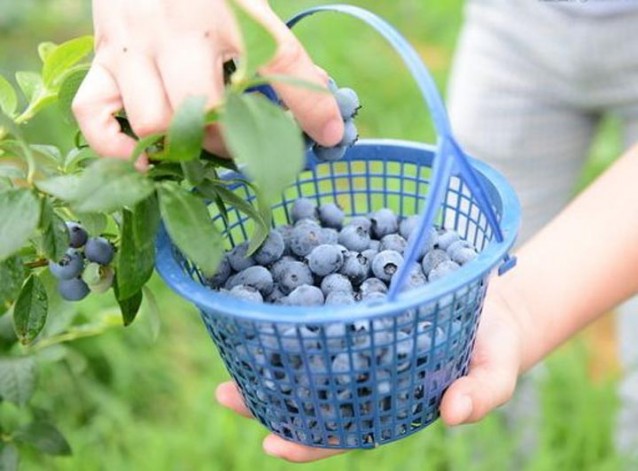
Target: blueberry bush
pixel 73 224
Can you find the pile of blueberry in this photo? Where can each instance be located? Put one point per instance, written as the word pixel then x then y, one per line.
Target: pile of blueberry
pixel 349 105
pixel 322 259
pixel 85 266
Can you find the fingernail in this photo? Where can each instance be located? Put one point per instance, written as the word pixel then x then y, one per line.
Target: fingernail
pixel 464 408
pixel 333 132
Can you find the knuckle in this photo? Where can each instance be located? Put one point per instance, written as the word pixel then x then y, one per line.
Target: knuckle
pixel 289 53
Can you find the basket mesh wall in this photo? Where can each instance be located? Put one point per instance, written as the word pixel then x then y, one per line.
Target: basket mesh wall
pixel 364 383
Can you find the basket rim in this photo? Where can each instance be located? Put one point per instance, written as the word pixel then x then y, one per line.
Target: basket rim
pixel 208 300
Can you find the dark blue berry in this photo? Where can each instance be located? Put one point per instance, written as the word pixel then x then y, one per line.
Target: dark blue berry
pixel 356 267
pixel 246 293
pixel 335 282
pixel 279 266
pixel 294 274
pixel 77 235
pixel 221 275
pixel 408 225
pixel 350 134
pixel 305 237
pixel 348 102
pixel 393 242
pixel 99 250
pixel 447 238
pixel 373 285
pixel 386 264
pixel 433 259
pixel 340 298
pixel 306 295
pixel 329 154
pixel 70 266
pixel 361 221
pixel 416 278
pixel 271 250
pixel 73 289
pixel 286 234
pixel 329 236
pixel 428 244
pixel 257 277
pixel 238 259
pixel 443 269
pixel 331 215
pixel 303 208
pixel 325 259
pixel 384 222
pixel 463 255
pixel 354 237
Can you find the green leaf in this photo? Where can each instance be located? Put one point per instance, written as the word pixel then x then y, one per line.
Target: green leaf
pixel 59 60
pixel 45 49
pixel 77 158
pixel 135 261
pixel 238 203
pixel 17 379
pixel 94 223
pixel 146 220
pixel 30 84
pixel 261 136
pixel 30 311
pixel 144 144
pixel 129 306
pixel 190 227
pixel 8 97
pixel 261 231
pixel 106 186
pixel 9 457
pixel 45 437
pixel 194 171
pixel 19 217
pixel 152 312
pixel 68 89
pixel 12 275
pixel 186 132
pixel 259 45
pixel 55 235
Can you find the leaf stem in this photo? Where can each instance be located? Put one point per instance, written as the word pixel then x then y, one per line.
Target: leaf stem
pixel 42 262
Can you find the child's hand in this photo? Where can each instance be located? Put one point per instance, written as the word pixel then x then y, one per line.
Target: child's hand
pixel 150 55
pixel 496 364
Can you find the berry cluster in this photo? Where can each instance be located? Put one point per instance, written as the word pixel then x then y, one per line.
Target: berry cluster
pixel 349 105
pixel 85 266
pixel 320 259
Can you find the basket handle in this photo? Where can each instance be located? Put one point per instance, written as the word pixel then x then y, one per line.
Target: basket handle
pixel 448 152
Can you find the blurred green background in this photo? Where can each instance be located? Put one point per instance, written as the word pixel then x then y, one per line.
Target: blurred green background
pixel 142 399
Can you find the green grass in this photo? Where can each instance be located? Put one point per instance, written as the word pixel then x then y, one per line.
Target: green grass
pixel 128 402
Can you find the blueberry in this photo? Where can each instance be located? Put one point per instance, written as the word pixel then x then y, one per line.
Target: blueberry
pixel 350 134
pixel 221 275
pixel 294 274
pixel 271 250
pixel 303 208
pixel 238 259
pixel 286 234
pixel 331 215
pixel 246 293
pixel 356 267
pixel 373 296
pixel 416 278
pixel 329 236
pixel 305 237
pixel 279 266
pixel 362 221
pixel 443 269
pixel 341 366
pixel 329 154
pixel 370 254
pixel 306 295
pixel 372 285
pixel 290 339
pixel 458 245
pixel 335 335
pixel 386 264
pixel 256 277
pixel 340 298
pixel 447 238
pixel 73 289
pixel 275 296
pixel 355 237
pixel 425 332
pixel 375 245
pixel 433 259
pixel 99 250
pixel 408 225
pixel 384 222
pixel 325 259
pixel 393 242
pixel 70 266
pixel 335 282
pixel 77 235
pixel 463 255
pixel 428 244
pixel 348 102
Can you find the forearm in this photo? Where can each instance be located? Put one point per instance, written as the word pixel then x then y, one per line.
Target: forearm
pixel 580 265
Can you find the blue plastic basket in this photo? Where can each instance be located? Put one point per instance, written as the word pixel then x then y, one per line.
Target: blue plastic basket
pixel 362 375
